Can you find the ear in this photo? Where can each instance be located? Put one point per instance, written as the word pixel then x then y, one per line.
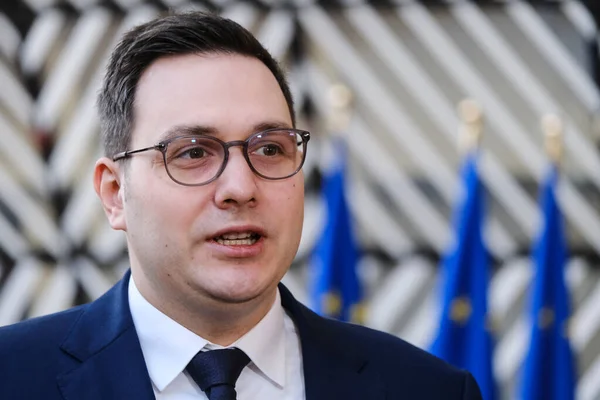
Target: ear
pixel 107 183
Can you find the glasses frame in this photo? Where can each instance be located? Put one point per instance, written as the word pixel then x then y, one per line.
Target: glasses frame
pixel 163 145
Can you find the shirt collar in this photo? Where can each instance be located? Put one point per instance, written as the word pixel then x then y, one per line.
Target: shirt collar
pixel 167 357
pixel 265 343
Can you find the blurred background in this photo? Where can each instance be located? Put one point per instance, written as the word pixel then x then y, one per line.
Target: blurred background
pixel 407 64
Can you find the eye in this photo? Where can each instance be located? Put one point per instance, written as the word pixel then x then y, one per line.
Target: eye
pixel 269 150
pixel 195 152
pixel 191 153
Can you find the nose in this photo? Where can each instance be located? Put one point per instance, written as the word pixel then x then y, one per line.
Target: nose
pixel 236 186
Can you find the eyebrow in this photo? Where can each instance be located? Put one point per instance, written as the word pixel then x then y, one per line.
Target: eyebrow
pixel 183 130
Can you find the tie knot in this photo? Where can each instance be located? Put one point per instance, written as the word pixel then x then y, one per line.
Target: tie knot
pixel 217 367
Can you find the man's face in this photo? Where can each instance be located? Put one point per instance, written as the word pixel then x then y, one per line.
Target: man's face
pixel 171 228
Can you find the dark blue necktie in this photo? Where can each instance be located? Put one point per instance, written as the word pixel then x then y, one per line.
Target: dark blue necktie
pixel 216 372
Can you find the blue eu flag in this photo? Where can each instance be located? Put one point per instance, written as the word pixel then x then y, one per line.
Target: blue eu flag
pixel 549 370
pixel 464 339
pixel 336 289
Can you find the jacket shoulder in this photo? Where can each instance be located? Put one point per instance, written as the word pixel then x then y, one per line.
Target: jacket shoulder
pixel 385 347
pixel 36 333
pixel 32 350
pixel 403 367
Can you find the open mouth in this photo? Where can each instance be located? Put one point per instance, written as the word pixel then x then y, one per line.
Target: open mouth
pixel 238 239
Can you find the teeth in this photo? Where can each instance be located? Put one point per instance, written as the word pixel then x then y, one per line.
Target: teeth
pixel 233 236
pixel 236 242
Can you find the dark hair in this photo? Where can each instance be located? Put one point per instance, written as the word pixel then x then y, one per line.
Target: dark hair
pixel 177 34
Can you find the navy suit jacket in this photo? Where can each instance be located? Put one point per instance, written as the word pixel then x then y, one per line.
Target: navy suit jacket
pixel 92 352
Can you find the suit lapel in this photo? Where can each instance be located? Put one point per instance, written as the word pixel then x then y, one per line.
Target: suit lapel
pixel 104 340
pixel 112 365
pixel 331 371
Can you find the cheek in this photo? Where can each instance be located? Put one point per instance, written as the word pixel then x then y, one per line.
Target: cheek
pixel 290 206
pixel 164 210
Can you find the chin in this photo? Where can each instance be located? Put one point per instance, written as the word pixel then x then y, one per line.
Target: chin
pixel 233 297
pixel 236 292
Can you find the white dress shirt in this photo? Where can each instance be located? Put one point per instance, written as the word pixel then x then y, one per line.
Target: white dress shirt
pixel 273 346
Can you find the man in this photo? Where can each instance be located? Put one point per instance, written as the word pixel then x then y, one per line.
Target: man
pixel 203 174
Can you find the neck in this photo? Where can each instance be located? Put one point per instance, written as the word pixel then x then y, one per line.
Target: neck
pixel 223 324
pixel 216 321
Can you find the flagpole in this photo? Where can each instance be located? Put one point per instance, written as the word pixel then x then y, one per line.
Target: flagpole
pixel 552 127
pixel 464 338
pixel 341 103
pixel 549 369
pixel 339 98
pixel 471 126
pixel 337 291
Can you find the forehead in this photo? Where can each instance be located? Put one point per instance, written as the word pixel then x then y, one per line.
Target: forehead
pixel 231 94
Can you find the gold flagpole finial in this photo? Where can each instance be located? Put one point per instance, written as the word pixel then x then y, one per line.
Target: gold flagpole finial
pixel 552 127
pixel 471 127
pixel 340 101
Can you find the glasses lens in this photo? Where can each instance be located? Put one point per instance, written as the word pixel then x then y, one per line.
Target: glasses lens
pixel 194 160
pixel 276 154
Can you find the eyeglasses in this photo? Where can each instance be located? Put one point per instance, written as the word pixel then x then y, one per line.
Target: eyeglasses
pixel 195 160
